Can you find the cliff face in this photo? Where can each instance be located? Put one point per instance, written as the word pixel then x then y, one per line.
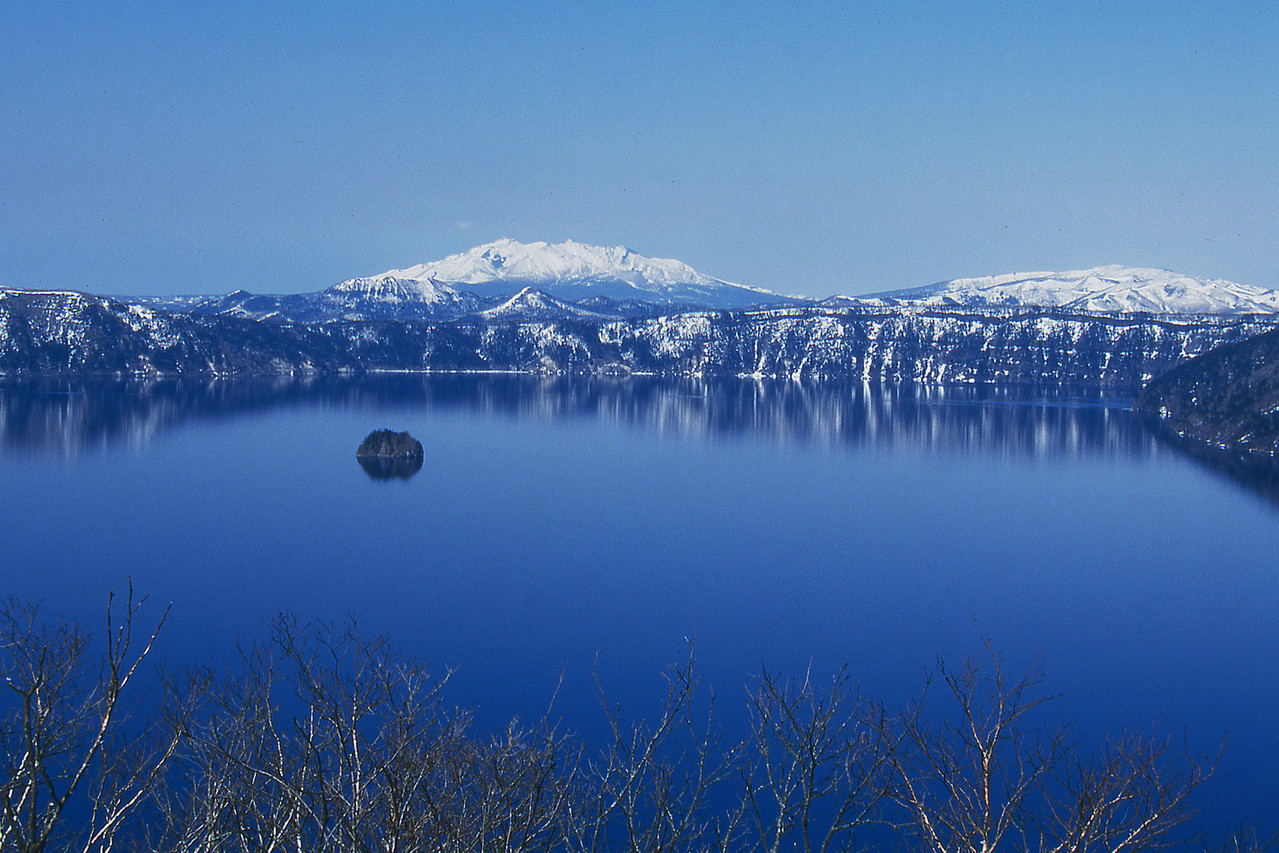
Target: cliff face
pixel 1228 398
pixel 70 333
pixel 66 333
pixel 927 345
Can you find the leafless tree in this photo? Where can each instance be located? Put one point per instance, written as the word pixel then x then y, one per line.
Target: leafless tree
pixel 1244 839
pixel 652 787
pixel 75 768
pixel 327 741
pixel 1130 795
pixel 817 765
pixel 989 778
pixel 514 792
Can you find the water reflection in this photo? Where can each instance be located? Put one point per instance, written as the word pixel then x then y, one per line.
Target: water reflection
pixel 70 418
pixel 385 468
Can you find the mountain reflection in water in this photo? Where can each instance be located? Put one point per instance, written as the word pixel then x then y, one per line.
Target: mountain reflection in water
pixel 74 417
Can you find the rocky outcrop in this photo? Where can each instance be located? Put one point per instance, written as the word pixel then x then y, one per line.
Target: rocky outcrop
pixel 389 444
pixel 389 455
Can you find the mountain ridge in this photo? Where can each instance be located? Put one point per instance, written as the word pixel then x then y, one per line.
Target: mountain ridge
pixel 963 331
pixel 578 275
pixel 1112 288
pixel 571 270
pixel 62 334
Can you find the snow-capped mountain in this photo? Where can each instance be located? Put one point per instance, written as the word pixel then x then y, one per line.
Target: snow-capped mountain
pixel 1110 288
pixel 1072 327
pixel 571 271
pixel 582 280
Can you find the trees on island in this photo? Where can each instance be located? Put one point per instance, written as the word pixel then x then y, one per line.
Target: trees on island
pixel 326 740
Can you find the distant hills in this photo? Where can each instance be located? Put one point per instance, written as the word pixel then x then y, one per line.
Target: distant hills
pixel 559 308
pixel 597 282
pixel 59 333
pixel 1109 289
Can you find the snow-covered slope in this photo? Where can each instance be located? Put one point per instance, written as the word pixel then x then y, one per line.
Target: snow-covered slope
pixel 376 298
pixel 388 296
pixel 392 289
pixel 1109 288
pixel 532 304
pixel 608 282
pixel 571 271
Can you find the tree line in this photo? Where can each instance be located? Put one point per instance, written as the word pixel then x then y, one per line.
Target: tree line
pixel 323 739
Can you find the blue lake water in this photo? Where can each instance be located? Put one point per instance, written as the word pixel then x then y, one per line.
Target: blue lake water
pixel 562 526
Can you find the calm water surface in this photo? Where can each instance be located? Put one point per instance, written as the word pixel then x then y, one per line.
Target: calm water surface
pixel 561 526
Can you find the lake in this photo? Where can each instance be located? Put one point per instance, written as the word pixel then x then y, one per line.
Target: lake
pixel 560 527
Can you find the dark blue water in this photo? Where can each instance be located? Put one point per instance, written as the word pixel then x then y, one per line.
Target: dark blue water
pixel 559 527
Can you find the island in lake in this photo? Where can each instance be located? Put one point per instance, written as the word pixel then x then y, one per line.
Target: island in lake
pixel 389 455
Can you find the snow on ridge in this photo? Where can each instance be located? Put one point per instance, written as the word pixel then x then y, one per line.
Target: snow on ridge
pixel 566 262
pixel 389 287
pixel 529 300
pixel 1113 288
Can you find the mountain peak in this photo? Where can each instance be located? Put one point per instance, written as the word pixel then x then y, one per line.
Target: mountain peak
pixel 571 270
pixel 512 260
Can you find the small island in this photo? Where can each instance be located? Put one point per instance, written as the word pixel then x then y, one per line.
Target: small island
pixel 387 455
pixel 389 444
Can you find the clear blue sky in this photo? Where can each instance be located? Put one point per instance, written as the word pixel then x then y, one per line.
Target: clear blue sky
pixel 809 148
